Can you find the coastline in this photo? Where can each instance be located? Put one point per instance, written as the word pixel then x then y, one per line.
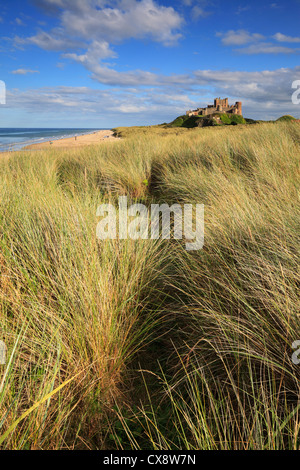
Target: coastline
pixel 82 140
pixel 75 141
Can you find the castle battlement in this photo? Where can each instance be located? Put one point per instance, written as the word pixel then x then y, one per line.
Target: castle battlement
pixel 219 106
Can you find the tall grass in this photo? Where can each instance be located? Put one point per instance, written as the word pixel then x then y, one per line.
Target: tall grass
pixel 153 346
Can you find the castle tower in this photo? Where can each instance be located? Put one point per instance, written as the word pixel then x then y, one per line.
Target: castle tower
pixel 239 107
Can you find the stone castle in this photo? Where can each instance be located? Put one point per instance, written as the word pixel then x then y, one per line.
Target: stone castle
pixel 219 106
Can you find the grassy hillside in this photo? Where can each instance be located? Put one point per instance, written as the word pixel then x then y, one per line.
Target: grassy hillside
pixel 206 121
pixel 286 118
pixel 136 344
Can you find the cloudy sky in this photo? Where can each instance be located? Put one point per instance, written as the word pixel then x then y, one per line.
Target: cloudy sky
pixel 98 63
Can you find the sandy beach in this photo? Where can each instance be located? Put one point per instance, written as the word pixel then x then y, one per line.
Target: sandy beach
pixel 77 141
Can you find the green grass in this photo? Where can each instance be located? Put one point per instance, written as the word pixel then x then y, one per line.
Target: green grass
pixel 141 344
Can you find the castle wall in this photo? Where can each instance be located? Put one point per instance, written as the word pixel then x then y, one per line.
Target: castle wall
pixel 219 106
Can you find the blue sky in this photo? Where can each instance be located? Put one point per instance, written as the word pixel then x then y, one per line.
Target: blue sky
pixel 97 63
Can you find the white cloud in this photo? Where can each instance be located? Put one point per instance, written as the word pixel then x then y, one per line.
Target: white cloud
pixel 129 108
pixel 56 41
pixel 109 21
pixel 24 71
pixel 110 76
pixel 283 38
pixel 96 51
pixel 256 43
pixel 129 19
pixel 267 48
pixel 239 37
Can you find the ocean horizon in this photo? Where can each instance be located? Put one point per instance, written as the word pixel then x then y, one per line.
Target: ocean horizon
pixel 19 137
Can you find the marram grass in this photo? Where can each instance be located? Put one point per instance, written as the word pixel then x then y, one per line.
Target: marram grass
pixel 141 344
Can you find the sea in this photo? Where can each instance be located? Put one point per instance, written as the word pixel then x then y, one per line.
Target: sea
pixel 17 138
